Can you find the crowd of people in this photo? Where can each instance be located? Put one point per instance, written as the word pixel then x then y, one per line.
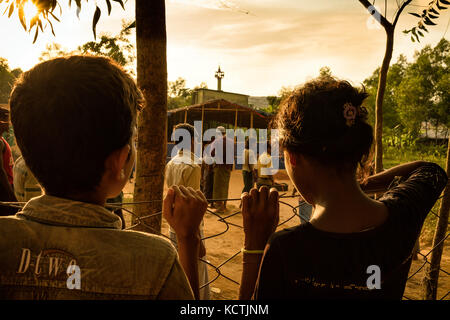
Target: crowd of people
pixel 74 120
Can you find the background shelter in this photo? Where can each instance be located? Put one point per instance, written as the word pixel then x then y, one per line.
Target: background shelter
pixel 214 113
pixel 219 112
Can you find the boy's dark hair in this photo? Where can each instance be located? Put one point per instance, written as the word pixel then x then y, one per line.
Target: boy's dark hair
pixel 312 122
pixel 188 127
pixel 69 114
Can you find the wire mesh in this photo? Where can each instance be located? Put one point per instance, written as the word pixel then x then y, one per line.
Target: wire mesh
pixel 141 221
pixel 228 225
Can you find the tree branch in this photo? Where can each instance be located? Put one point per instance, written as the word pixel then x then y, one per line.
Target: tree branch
pixel 397 16
pixel 383 21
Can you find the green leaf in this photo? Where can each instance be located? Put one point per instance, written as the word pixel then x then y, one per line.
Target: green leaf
pixel 131 26
pixel 78 2
pixel 414 14
pixel 51 26
pixel 121 3
pixel 11 9
pixel 427 21
pixel 97 15
pixel 36 34
pixel 440 7
pixel 421 26
pixel 33 21
pixel 22 17
pixel 434 11
pixel 54 17
pixel 432 16
pixel 108 3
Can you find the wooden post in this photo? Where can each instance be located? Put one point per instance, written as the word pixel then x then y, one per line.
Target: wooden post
pixel 431 277
pixel 152 121
pixel 203 117
pixel 251 120
pixel 234 139
pixel 185 116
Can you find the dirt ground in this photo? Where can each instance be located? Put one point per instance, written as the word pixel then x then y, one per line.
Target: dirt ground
pixel 223 246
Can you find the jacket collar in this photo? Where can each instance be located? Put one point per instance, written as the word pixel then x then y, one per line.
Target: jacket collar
pixel 65 212
pixel 187 157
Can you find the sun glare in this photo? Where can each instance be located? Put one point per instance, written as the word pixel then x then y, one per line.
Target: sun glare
pixel 30 10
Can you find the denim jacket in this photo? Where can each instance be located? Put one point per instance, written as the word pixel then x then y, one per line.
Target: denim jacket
pixel 62 249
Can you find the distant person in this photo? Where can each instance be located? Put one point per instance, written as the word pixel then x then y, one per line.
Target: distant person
pixel 74 119
pixel 265 166
pixel 249 172
pixel 6 158
pixel 354 247
pixel 184 170
pixel 208 173
pixel 26 186
pixel 6 167
pixel 222 170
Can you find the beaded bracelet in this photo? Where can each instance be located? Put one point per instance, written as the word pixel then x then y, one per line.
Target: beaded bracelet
pixel 243 250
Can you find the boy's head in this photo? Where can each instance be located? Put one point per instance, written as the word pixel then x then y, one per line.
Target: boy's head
pixel 190 129
pixel 74 119
pixel 4 120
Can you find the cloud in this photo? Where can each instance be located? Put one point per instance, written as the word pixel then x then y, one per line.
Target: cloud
pixel 213 4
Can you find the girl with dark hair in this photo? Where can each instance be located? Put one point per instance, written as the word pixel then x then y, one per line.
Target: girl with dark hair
pixel 354 247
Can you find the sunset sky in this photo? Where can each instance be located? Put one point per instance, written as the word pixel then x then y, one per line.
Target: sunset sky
pixel 261 45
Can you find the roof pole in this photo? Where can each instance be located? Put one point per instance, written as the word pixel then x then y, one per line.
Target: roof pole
pixel 203 117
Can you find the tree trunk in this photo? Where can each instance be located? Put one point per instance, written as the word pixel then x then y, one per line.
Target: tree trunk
pixel 379 100
pixel 152 122
pixel 431 278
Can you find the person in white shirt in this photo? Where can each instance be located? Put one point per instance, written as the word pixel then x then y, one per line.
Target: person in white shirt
pixel 184 170
pixel 249 173
pixel 265 177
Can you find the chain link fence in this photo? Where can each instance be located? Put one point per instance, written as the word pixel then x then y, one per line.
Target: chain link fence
pixel 227 225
